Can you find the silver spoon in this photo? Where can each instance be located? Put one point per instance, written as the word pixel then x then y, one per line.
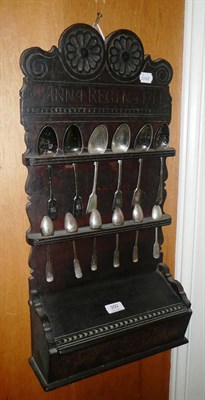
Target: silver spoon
pixel 116 256
pixel 121 139
pixel 98 141
pixel 93 263
pixel 76 263
pixel 137 214
pixel 156 210
pixel 144 138
pixel 117 201
pixel 46 226
pixel 137 191
pixel 73 142
pixel 135 249
pixel 49 268
pixel 52 203
pixel 161 139
pixel 77 201
pixel 70 223
pixel 92 201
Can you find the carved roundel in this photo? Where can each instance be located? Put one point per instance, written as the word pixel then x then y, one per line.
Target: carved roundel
pixel 83 51
pixel 125 55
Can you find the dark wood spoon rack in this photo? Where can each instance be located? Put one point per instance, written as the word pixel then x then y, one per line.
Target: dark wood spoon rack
pixel 110 316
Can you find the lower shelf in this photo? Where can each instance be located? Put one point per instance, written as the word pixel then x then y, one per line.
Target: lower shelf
pixel 75 332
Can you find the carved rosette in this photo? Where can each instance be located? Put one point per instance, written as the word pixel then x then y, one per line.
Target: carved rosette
pixel 83 51
pixel 125 55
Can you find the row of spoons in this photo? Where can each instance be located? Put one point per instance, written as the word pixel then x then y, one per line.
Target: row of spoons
pixel 95 220
pixel 98 140
pixel 93 261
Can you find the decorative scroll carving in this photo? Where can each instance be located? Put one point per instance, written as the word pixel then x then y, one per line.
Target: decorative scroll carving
pixel 176 285
pixel 35 62
pixel 81 55
pixel 125 55
pixel 82 48
pixel 161 70
pixel 36 302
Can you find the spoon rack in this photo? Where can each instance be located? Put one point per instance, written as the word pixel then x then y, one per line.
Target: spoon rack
pixel 88 312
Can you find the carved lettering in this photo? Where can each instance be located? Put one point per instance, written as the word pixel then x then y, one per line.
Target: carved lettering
pixel 101 97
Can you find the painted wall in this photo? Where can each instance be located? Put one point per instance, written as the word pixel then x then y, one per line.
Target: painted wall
pixel 27 23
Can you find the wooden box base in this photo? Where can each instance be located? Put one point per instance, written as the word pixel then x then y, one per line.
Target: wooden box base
pixel 73 335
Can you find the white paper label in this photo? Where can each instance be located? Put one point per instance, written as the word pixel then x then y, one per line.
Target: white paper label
pixel 114 307
pixel 146 77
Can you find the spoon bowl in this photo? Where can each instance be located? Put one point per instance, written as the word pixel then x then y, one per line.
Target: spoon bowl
pixel 137 214
pixel 156 212
pixel 70 223
pixel 144 138
pixel 117 217
pixel 121 139
pixel 98 141
pixel 161 138
pixel 73 142
pixel 95 220
pixel 46 226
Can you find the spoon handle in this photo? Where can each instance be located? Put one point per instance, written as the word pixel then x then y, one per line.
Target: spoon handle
pixel 49 268
pixel 52 204
pixel 76 263
pixel 116 257
pixel 137 191
pixel 93 263
pixel 135 249
pixel 156 249
pixel 95 176
pixel 75 179
pixel 159 198
pixel 119 174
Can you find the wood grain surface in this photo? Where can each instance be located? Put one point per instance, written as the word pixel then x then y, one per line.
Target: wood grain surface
pixel 27 23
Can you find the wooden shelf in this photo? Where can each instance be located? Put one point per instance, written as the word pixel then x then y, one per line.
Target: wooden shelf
pixel 37 239
pixel 35 160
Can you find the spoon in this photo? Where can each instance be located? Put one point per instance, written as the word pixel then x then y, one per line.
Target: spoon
pixel 70 223
pixel 117 201
pixel 161 139
pixel 135 249
pixel 52 208
pixel 156 249
pixel 137 214
pixel 117 217
pixel 46 226
pixel 76 263
pixel 121 139
pixel 95 220
pixel 77 201
pixel 49 268
pixel 92 201
pixel 144 138
pixel 137 191
pixel 73 140
pixel 156 210
pixel 98 141
pixel 116 256
pixel 93 264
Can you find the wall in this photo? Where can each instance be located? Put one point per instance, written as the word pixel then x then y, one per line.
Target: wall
pixel 27 23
